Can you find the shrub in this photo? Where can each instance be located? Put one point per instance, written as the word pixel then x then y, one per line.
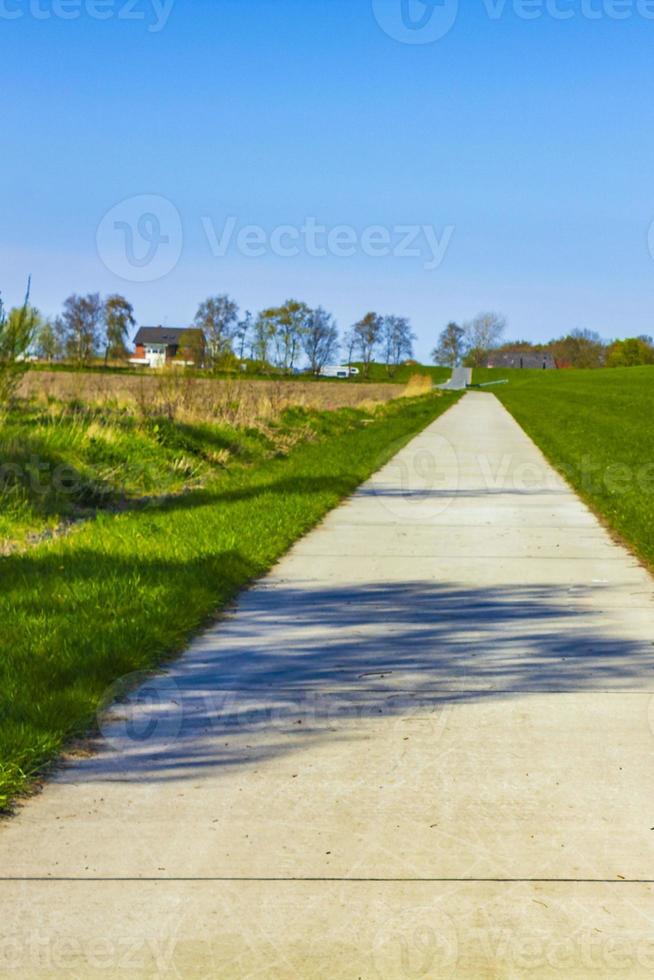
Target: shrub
pixel 17 331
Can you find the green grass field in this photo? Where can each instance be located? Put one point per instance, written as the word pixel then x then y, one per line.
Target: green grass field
pixel 123 592
pixel 596 427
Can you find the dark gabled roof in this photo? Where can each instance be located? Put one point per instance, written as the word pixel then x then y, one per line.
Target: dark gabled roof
pixel 167 335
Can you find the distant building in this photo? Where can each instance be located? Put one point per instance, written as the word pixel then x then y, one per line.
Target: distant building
pixel 158 346
pixel 529 360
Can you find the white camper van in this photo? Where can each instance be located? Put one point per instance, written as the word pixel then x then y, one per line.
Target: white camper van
pixel 335 371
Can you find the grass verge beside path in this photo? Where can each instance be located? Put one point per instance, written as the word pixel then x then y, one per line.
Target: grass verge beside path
pixel 596 427
pixel 125 592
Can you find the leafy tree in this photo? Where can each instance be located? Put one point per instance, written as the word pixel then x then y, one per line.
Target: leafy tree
pixel 217 317
pixel 118 322
pixel 47 341
pixel 483 334
pixel 579 349
pixel 283 328
pixel 265 329
pixel 631 352
pixel 17 331
pixel 292 322
pixel 81 324
pixel 525 346
pixel 192 347
pixel 367 338
pixel 451 346
pixel 397 339
pixel 320 339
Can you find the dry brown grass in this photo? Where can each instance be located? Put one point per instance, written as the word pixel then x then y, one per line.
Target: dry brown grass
pixel 178 395
pixel 419 384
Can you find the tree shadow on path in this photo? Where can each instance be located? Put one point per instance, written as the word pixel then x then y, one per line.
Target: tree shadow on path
pixel 293 666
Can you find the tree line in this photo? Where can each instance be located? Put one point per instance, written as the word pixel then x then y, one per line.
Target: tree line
pixel 279 336
pixel 282 335
pixel 472 344
pixel 87 327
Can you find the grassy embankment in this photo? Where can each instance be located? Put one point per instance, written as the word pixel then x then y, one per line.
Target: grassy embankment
pixel 378 373
pixel 125 590
pixel 81 440
pixel 596 428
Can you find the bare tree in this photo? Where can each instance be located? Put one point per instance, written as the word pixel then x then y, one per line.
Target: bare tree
pixel 217 317
pixel 368 333
pixel 483 334
pixel 397 338
pixel 451 346
pixel 320 339
pixel 243 333
pixel 81 324
pixel 349 344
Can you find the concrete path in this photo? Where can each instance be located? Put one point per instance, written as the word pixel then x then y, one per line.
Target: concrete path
pixel 421 747
pixel 459 381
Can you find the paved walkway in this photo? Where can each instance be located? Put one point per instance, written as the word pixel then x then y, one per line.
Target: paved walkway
pixel 421 747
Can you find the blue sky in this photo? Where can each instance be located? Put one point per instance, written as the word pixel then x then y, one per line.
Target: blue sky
pixel 525 145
